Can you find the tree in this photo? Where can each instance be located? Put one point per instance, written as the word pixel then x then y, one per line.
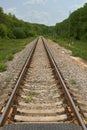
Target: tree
pixel 19 33
pixel 1 10
pixel 3 31
pixel 78 25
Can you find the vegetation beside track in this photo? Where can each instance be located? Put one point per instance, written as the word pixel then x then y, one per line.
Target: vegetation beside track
pixel 78 48
pixel 8 47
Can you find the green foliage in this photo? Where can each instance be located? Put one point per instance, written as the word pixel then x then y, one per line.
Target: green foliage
pixel 2 67
pixel 84 37
pixel 3 31
pixel 8 47
pixel 74 30
pixel 28 99
pixel 74 27
pixel 78 48
pixel 11 27
pixel 73 82
pixel 9 57
pixel 19 33
pixel 1 10
pixel 32 93
pixel 30 96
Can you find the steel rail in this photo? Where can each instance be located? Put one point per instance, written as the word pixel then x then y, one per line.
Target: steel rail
pixel 64 87
pixel 11 98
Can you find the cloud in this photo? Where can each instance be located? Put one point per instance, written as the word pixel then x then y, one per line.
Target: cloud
pixel 11 10
pixel 33 2
pixel 38 17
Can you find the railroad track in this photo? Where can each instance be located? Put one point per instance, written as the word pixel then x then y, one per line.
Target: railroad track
pixel 40 94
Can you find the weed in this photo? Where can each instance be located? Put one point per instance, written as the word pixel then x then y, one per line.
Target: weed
pixel 32 93
pixel 28 99
pixel 30 96
pixel 73 82
pixel 7 79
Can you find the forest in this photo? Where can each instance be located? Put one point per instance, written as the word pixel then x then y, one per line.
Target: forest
pixel 13 28
pixel 74 27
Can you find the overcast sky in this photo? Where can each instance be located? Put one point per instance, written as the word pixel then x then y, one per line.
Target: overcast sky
pixel 47 12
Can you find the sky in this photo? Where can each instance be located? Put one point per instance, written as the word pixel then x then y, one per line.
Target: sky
pixel 48 12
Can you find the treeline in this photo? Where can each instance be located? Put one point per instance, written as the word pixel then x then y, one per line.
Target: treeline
pixel 74 27
pixel 12 27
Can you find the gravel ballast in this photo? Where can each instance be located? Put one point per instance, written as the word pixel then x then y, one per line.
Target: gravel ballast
pixel 7 78
pixel 73 72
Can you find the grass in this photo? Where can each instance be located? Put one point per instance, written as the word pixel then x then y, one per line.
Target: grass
pixel 7 80
pixel 28 99
pixel 9 57
pixel 32 93
pixel 8 47
pixel 2 67
pixel 78 48
pixel 73 82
